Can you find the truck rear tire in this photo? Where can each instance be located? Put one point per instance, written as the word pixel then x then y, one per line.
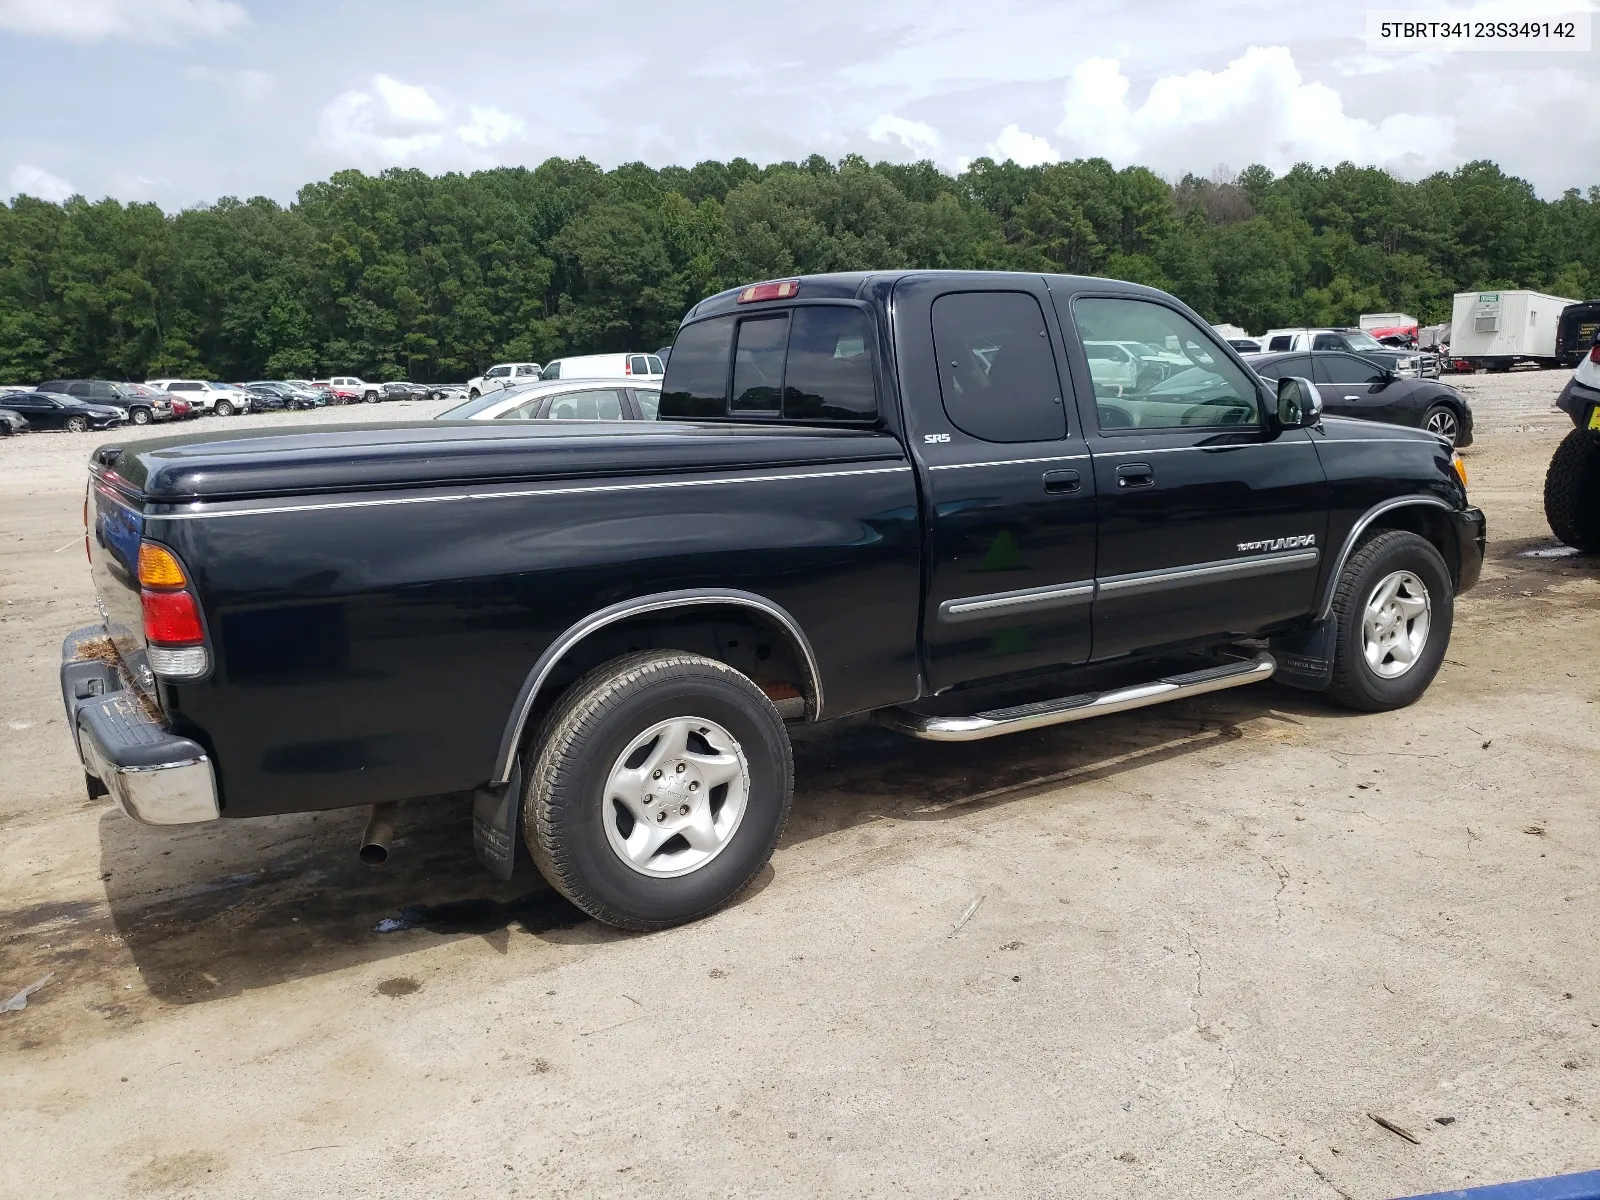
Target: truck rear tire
pixel 1572 492
pixel 660 785
pixel 1395 606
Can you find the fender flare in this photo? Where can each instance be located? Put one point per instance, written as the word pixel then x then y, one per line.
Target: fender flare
pixel 505 760
pixel 1354 537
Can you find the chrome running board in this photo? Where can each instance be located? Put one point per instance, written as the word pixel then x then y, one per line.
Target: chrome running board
pixel 1077 708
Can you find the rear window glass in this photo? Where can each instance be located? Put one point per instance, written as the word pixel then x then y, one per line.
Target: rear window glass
pixel 758 364
pixel 697 373
pixel 649 403
pixel 829 375
pixel 654 364
pixel 997 371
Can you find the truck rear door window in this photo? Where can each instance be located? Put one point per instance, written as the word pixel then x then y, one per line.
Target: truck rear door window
pixel 829 374
pixel 697 372
pixel 758 364
pixel 997 371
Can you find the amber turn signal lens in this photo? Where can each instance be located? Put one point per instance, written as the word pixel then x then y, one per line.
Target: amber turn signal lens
pixel 158 568
pixel 1460 466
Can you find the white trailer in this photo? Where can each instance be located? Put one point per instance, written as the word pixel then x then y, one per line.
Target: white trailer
pixel 1497 330
pixel 1371 321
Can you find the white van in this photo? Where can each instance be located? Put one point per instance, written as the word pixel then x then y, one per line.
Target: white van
pixel 605 366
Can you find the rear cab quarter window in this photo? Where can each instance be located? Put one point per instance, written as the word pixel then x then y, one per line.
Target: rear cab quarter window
pixel 806 364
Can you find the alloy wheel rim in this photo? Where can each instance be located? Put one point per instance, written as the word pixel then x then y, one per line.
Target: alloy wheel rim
pixel 675 797
pixel 1443 423
pixel 1394 624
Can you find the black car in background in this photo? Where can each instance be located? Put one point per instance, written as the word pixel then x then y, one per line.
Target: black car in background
pixel 57 410
pixel 1354 386
pixel 401 390
pixel 141 404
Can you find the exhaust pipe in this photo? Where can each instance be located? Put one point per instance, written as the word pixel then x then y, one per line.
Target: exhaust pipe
pixel 380 831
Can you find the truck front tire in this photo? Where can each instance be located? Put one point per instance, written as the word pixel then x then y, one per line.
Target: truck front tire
pixel 1572 492
pixel 660 785
pixel 1395 606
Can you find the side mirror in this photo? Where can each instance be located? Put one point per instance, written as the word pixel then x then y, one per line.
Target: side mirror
pixel 1299 403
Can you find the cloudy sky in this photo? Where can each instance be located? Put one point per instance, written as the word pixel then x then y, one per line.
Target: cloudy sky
pixel 183 101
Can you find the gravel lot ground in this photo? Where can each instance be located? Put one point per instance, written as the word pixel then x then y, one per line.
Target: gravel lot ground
pixel 1213 938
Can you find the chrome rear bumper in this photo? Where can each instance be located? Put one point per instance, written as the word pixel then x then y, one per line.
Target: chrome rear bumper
pixel 156 777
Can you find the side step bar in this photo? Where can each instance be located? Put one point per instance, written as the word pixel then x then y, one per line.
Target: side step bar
pixel 1077 708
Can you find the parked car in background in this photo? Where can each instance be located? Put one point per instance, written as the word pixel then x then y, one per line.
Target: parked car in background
pixel 502 375
pixel 1405 363
pixel 663 354
pixel 58 410
pixel 561 400
pixel 12 422
pixel 400 389
pixel 354 388
pixel 605 366
pixel 142 406
pixel 1354 385
pixel 1245 345
pixel 179 408
pixel 218 399
pixel 292 397
pixel 447 391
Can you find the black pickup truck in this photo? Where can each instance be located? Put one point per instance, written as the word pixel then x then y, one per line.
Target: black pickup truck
pixel 903 493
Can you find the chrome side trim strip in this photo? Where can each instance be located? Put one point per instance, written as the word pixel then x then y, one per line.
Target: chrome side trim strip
pixel 1077 708
pixel 1231 446
pixel 1009 462
pixel 1160 581
pixel 512 495
pixel 1001 604
pixel 661 602
pixel 1354 537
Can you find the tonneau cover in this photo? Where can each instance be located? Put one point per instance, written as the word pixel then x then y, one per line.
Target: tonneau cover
pixel 279 462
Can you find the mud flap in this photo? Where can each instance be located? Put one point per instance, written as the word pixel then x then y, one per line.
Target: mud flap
pixel 496 824
pixel 1305 660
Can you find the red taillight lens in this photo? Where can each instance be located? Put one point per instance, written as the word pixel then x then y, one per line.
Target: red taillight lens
pixel 770 291
pixel 1594 353
pixel 171 619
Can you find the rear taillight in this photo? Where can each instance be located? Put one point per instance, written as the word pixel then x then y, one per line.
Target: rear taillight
pixel 173 632
pixel 627 366
pixel 1594 353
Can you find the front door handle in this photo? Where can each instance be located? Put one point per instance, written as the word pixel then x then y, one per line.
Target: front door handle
pixel 1135 475
pixel 1062 483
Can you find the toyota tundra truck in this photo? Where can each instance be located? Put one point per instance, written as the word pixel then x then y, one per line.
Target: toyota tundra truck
pixel 902 494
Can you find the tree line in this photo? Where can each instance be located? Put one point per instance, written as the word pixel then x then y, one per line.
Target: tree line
pixel 407 275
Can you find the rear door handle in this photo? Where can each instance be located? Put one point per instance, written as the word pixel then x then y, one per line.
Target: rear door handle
pixel 1062 483
pixel 1135 475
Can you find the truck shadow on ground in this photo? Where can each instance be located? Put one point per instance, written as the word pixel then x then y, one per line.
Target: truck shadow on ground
pixel 210 911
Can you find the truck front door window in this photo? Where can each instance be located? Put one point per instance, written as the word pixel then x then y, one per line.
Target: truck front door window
pixel 758 364
pixel 829 373
pixel 697 371
pixel 1191 384
pixel 997 371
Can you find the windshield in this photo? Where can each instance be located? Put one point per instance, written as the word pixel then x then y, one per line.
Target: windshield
pixel 1360 339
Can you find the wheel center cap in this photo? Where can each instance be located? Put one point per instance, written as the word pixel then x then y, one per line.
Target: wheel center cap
pixel 677 788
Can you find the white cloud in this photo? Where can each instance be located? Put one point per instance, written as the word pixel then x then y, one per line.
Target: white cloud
pixel 406 103
pixel 1258 107
pixel 1025 149
pixel 487 127
pixel 916 136
pixel 29 180
pixel 393 122
pixel 133 20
